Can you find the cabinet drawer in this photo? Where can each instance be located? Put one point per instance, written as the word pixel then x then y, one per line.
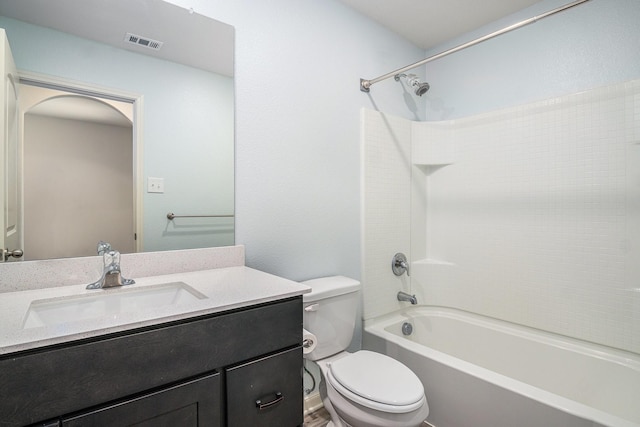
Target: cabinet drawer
pixel 266 392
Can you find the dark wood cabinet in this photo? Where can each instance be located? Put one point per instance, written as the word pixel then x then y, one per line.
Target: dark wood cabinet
pixel 191 372
pixel 265 392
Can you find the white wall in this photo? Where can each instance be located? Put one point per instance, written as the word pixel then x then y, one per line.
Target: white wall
pixel 298 100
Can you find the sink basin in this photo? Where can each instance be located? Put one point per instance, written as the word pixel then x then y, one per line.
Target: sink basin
pixel 109 302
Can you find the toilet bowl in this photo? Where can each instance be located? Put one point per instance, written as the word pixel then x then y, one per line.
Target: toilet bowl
pixel 367 389
pixel 364 388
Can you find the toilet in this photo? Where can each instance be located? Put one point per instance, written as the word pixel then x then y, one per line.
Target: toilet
pixel 361 389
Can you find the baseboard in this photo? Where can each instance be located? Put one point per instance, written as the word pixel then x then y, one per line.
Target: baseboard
pixel 312 403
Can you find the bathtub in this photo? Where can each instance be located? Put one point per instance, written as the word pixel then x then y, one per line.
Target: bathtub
pixel 481 372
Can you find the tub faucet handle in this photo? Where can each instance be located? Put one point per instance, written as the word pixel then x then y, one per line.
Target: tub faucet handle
pixel 399 264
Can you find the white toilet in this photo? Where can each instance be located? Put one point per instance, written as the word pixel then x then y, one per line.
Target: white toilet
pixel 361 389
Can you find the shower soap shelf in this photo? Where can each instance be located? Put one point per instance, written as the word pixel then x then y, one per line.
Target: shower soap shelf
pixel 433 152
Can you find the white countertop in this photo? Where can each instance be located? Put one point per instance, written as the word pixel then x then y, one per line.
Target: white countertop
pixel 224 288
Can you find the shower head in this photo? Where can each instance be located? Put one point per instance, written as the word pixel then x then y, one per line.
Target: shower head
pixel 413 81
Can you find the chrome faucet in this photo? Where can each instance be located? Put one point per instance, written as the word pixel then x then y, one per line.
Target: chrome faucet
pixel 111 274
pixel 403 296
pixel 103 247
pixel 399 264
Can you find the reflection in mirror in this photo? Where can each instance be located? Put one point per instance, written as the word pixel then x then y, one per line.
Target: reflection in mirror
pixel 84 144
pixel 181 109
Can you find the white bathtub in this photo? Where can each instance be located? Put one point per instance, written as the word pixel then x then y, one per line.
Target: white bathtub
pixel 480 372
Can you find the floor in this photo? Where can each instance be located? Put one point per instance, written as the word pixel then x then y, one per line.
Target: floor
pixel 320 418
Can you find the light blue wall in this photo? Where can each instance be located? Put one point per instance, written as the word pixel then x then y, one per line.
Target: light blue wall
pixel 594 44
pixel 298 101
pixel 188 126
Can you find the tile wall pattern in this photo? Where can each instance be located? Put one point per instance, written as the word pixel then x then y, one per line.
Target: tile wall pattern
pixel 533 216
pixel 386 219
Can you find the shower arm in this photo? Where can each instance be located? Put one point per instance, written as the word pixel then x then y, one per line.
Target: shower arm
pixel 365 85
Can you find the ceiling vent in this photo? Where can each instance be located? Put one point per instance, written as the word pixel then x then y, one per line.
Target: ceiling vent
pixel 143 41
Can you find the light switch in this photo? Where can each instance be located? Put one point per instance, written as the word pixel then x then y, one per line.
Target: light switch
pixel 155 185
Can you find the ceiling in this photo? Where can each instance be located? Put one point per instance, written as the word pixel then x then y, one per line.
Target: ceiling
pixel 428 23
pixel 108 21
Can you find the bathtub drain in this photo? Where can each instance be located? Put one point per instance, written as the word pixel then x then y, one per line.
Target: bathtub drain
pixel 407 328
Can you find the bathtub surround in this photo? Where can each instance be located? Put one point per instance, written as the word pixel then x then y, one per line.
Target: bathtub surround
pixel 386 215
pixel 527 214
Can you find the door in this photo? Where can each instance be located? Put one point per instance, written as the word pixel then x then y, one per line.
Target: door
pixel 10 213
pixel 83 143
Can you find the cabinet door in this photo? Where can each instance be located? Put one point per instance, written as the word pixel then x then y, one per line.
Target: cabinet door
pixel 266 392
pixel 194 403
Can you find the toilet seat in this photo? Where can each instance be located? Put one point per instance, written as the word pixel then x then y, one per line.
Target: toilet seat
pixel 377 382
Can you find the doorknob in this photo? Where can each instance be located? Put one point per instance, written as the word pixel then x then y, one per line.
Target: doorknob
pixel 16 253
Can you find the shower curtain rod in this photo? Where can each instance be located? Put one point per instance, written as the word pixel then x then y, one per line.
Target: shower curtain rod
pixel 365 85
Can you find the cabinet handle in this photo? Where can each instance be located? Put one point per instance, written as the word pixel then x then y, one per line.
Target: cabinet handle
pixel 260 404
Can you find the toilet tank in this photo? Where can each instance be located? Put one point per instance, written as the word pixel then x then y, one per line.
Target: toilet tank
pixel 330 312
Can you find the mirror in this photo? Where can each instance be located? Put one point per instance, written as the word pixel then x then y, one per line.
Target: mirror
pixel 181 97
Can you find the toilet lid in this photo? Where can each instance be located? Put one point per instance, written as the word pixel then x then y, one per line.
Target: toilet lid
pixel 378 378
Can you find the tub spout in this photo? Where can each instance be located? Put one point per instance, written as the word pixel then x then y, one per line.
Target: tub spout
pixel 403 296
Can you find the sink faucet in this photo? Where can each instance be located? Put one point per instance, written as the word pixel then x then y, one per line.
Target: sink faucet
pixel 103 247
pixel 111 275
pixel 403 296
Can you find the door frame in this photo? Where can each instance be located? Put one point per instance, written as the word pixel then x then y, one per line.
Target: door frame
pixel 87 89
pixel 10 240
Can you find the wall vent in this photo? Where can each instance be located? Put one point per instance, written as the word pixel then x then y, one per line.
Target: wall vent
pixel 143 41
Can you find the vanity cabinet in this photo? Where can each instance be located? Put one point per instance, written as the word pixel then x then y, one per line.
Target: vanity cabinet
pixel 216 370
